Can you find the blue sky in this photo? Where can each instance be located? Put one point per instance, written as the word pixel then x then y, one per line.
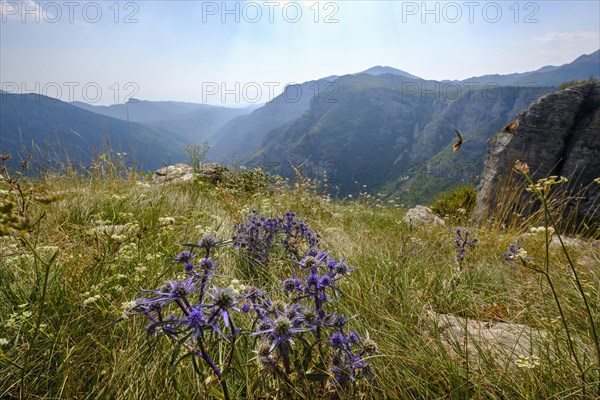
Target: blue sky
pixel 199 51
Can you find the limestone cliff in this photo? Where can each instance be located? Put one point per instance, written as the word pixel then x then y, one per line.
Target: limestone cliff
pixel 558 135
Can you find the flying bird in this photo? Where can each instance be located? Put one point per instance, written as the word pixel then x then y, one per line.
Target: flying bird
pixel 512 127
pixel 459 141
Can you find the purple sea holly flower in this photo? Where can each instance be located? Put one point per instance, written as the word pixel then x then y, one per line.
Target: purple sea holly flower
pixel 184 257
pixel 462 240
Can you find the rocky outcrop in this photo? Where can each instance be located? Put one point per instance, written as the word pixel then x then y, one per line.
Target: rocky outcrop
pixel 208 172
pixel 173 173
pixel 420 215
pixel 558 135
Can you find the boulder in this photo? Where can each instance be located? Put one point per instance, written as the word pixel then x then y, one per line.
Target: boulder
pixel 173 173
pixel 419 215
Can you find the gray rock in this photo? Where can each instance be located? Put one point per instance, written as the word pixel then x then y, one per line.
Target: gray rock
pixel 422 215
pixel 209 172
pixel 212 172
pixel 507 343
pixel 173 173
pixel 558 135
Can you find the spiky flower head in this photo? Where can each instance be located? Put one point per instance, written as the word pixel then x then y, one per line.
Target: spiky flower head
pixel 224 297
pixel 339 320
pixel 312 252
pixel 196 317
pixel 179 289
pixel 325 281
pixel 309 262
pixel 289 284
pixel 341 268
pixel 277 306
pixel 208 241
pixel 337 340
pixel 189 267
pixel 282 327
pixel 312 280
pixel 184 257
pixel 309 316
pixel 207 264
pixel 246 307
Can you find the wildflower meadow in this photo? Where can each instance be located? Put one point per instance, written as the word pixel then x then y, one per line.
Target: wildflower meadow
pixel 253 287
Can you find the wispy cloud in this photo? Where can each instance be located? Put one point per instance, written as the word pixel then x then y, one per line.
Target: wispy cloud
pixel 567 38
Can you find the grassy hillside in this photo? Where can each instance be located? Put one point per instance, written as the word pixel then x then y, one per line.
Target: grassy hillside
pixel 96 239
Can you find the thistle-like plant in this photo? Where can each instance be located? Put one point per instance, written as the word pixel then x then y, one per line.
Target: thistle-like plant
pixel 299 335
pixel 257 236
pixel 462 240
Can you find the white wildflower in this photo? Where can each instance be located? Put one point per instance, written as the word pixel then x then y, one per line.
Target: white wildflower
pixel 166 220
pixel 527 362
pixel 118 238
pixel 92 299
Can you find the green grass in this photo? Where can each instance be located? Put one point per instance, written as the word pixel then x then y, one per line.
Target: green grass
pixel 59 345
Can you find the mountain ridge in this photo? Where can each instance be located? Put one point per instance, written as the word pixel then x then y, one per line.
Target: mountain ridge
pixel 58 132
pixel 382 127
pixel 193 121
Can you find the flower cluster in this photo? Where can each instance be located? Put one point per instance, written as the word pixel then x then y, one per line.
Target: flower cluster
pixel 542 185
pixel 258 235
pixel 542 229
pixel 212 308
pixel 527 362
pixel 297 328
pixel 198 305
pixel 307 316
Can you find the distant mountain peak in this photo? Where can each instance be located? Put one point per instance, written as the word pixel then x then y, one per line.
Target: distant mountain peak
pixel 382 69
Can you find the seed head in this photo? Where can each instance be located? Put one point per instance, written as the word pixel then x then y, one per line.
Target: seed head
pixel 224 298
pixel 282 326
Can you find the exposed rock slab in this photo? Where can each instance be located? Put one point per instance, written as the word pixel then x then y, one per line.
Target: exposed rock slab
pixel 504 342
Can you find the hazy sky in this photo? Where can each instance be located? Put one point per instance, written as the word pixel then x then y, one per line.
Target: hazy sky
pixel 213 51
